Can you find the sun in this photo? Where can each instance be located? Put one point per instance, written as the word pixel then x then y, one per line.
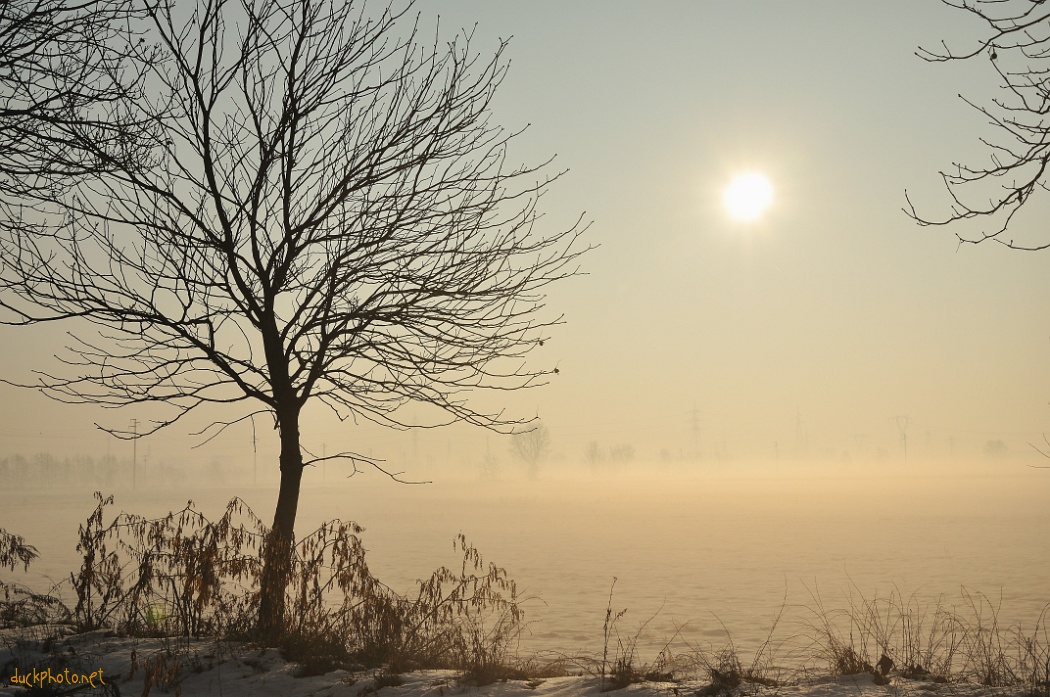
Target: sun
pixel 748 196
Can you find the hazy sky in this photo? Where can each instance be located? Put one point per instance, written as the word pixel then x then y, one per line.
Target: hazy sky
pixel 812 327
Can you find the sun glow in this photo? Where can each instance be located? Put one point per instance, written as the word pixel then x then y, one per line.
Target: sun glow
pixel 748 196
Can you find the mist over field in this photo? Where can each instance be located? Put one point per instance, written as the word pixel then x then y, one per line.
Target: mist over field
pixel 738 398
pixel 711 546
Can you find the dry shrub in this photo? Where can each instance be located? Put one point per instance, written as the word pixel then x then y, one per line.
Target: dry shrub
pixel 624 667
pixel 621 672
pixel 180 574
pixel 162 670
pixel 19 606
pixel 936 644
pixel 730 675
pixel 15 551
pixel 184 575
pixel 1004 657
pixel 466 620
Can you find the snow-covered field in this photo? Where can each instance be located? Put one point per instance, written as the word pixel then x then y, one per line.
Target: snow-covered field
pixel 94 663
pixel 701 564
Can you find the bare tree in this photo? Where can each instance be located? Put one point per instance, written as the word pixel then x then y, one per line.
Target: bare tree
pixel 595 454
pixel 531 446
pixel 316 208
pixel 621 453
pixel 1017 46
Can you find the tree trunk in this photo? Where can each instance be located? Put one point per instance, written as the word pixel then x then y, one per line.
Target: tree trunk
pixel 278 547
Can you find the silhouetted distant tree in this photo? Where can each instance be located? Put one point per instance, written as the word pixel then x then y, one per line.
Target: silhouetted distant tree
pixel 532 447
pixel 995 448
pixel 312 207
pixel 623 452
pixel 1017 46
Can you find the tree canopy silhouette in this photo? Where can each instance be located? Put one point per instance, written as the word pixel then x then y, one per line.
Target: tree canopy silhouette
pixel 63 66
pixel 295 201
pixel 1017 46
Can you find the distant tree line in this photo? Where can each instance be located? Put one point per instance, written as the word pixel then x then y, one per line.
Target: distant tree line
pixel 105 473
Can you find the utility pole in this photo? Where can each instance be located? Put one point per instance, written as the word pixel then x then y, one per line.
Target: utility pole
pixel 902 426
pixel 697 444
pixel 134 451
pixel 801 443
pixel 255 457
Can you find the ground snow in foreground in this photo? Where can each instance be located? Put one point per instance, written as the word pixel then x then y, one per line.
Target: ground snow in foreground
pixel 206 668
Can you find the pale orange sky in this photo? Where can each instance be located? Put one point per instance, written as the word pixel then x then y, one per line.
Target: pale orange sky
pixel 814 326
